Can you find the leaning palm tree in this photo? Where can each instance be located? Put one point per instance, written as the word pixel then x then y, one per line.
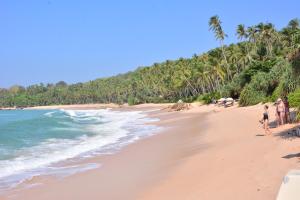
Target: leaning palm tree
pixel 215 26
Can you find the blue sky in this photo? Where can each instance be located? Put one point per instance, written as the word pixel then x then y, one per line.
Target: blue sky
pixel 76 41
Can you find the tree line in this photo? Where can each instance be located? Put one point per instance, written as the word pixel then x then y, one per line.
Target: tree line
pixel 262 66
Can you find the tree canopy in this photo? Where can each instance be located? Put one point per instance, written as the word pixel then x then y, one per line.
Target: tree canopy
pixel 260 67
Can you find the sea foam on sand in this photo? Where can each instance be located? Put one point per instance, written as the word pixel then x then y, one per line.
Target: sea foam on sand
pixel 103 132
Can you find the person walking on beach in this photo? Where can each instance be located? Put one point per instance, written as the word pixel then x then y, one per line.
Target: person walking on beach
pixel 287 110
pixel 265 120
pixel 280 112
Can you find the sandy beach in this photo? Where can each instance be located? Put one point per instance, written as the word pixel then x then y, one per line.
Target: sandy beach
pixel 150 100
pixel 206 152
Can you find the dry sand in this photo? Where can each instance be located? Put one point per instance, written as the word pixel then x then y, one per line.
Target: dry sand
pixel 204 153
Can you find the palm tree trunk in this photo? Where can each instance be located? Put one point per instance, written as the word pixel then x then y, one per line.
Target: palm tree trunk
pixel 225 59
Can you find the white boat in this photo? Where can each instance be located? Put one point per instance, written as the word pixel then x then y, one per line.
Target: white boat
pixel 290 187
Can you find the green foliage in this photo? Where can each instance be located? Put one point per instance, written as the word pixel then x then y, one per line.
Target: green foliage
pixel 189 99
pixel 296 64
pixel 294 98
pixel 250 96
pixel 254 70
pixel 209 97
pixel 234 88
pixel 262 75
pixel 132 101
pixel 285 86
pixel 277 93
pixel 266 84
pixel 257 66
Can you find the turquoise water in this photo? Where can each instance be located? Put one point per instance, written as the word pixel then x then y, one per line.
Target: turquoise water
pixel 21 129
pixel 32 142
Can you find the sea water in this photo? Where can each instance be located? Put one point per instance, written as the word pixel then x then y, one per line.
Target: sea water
pixel 33 142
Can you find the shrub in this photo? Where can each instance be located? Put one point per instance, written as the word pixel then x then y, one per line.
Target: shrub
pixel 131 100
pixel 190 99
pixel 262 75
pixel 258 66
pixel 209 97
pixel 251 96
pixel 277 93
pixel 266 86
pixel 260 82
pixel 294 100
pixel 234 88
pixel 296 64
pixel 256 91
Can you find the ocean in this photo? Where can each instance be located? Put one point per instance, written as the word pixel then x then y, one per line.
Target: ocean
pixel 36 142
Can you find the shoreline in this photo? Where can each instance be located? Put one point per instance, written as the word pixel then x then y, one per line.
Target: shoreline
pixel 74 162
pixel 87 106
pixel 108 162
pixel 202 150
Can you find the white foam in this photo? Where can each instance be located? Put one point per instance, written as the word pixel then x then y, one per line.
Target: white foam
pixel 115 130
pixel 49 114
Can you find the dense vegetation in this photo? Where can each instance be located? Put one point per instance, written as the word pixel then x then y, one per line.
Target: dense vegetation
pixel 263 66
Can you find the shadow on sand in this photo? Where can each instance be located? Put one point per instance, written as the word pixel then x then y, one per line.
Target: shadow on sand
pixel 295 155
pixel 290 133
pixel 273 124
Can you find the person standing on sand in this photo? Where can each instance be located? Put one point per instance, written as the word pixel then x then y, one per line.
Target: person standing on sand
pixel 287 109
pixel 280 112
pixel 265 120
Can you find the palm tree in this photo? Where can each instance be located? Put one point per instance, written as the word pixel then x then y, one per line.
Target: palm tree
pixel 292 33
pixel 242 33
pixel 244 57
pixel 267 36
pixel 252 36
pixel 215 26
pixel 218 74
pixel 294 24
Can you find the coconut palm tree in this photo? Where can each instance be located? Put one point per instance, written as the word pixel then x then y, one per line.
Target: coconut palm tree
pixel 294 24
pixel 252 36
pixel 267 36
pixel 292 35
pixel 242 34
pixel 215 26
